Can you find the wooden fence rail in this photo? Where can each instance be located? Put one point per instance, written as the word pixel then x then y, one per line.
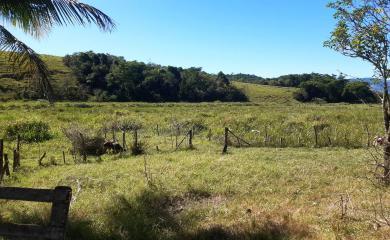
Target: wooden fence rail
pixel 60 198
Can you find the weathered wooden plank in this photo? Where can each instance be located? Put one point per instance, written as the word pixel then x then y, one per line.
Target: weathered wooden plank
pixel 27 194
pixel 60 197
pixel 60 209
pixel 25 231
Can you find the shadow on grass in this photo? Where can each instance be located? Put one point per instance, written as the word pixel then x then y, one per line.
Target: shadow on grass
pixel 153 214
pixel 157 215
pixel 269 230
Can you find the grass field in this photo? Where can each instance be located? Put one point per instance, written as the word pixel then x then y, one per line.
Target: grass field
pixel 263 93
pixel 11 83
pixel 270 191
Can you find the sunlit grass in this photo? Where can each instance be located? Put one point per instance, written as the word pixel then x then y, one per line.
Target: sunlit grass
pixel 252 193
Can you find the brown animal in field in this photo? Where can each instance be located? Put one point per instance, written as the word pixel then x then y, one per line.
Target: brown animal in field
pixel 113 147
pixel 379 141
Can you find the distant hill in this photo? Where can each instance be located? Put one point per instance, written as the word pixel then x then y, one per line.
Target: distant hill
pixel 13 85
pixel 262 93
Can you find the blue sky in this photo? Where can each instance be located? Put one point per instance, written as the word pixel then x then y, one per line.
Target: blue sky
pixel 264 37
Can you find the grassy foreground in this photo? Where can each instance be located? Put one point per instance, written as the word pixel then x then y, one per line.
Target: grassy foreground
pixel 251 193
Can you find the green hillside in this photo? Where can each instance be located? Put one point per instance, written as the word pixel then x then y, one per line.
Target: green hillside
pixel 11 84
pixel 263 93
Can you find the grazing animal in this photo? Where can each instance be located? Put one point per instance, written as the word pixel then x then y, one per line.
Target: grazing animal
pixel 379 141
pixel 112 146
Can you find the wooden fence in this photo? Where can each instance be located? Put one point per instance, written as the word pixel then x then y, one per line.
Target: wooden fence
pixel 60 198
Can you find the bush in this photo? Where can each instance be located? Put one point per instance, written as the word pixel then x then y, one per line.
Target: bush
pixel 84 142
pixel 301 95
pixel 138 149
pixel 356 92
pixel 29 132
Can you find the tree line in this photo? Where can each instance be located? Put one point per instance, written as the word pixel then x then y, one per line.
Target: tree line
pixel 315 86
pixel 105 77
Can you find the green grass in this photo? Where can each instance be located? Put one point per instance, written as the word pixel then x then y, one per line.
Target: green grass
pixel 251 193
pixel 263 93
pixel 11 84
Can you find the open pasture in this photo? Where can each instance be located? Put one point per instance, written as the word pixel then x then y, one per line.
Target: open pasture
pixel 266 191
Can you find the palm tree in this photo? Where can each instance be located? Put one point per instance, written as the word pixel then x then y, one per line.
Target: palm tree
pixel 37 18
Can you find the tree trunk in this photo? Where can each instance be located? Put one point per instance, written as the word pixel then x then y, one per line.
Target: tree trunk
pixel 386 120
pixel 386 165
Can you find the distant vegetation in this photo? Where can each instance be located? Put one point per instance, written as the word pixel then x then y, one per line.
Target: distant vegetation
pixel 103 77
pixel 315 86
pixel 111 78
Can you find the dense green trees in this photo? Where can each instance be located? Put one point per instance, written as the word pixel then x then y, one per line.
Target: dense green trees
pixel 111 78
pixel 336 90
pixel 359 92
pixel 330 88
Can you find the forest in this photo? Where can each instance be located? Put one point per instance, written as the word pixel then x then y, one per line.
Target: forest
pixel 100 77
pixel 110 78
pixel 315 86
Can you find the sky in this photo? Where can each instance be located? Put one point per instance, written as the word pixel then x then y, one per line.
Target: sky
pixel 268 38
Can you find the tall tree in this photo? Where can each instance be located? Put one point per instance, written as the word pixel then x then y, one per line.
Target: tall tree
pixel 222 78
pixel 37 18
pixel 362 32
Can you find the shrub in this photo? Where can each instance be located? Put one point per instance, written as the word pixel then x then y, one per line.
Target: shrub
pixel 84 142
pixel 301 95
pixel 138 148
pixel 356 92
pixel 29 132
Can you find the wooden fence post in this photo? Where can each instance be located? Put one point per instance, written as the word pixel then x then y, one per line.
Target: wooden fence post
pixel 281 142
pixel 41 159
pixel 226 140
pixel 60 199
pixel 124 140
pixel 209 135
pixel 177 136
pixel 6 166
pixel 16 162
pixel 135 138
pixel 60 210
pixel 1 157
pixel 113 135
pixel 157 130
pixel 18 144
pixel 190 135
pixel 63 157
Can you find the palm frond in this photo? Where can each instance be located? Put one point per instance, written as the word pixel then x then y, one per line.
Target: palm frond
pixel 23 57
pixel 39 16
